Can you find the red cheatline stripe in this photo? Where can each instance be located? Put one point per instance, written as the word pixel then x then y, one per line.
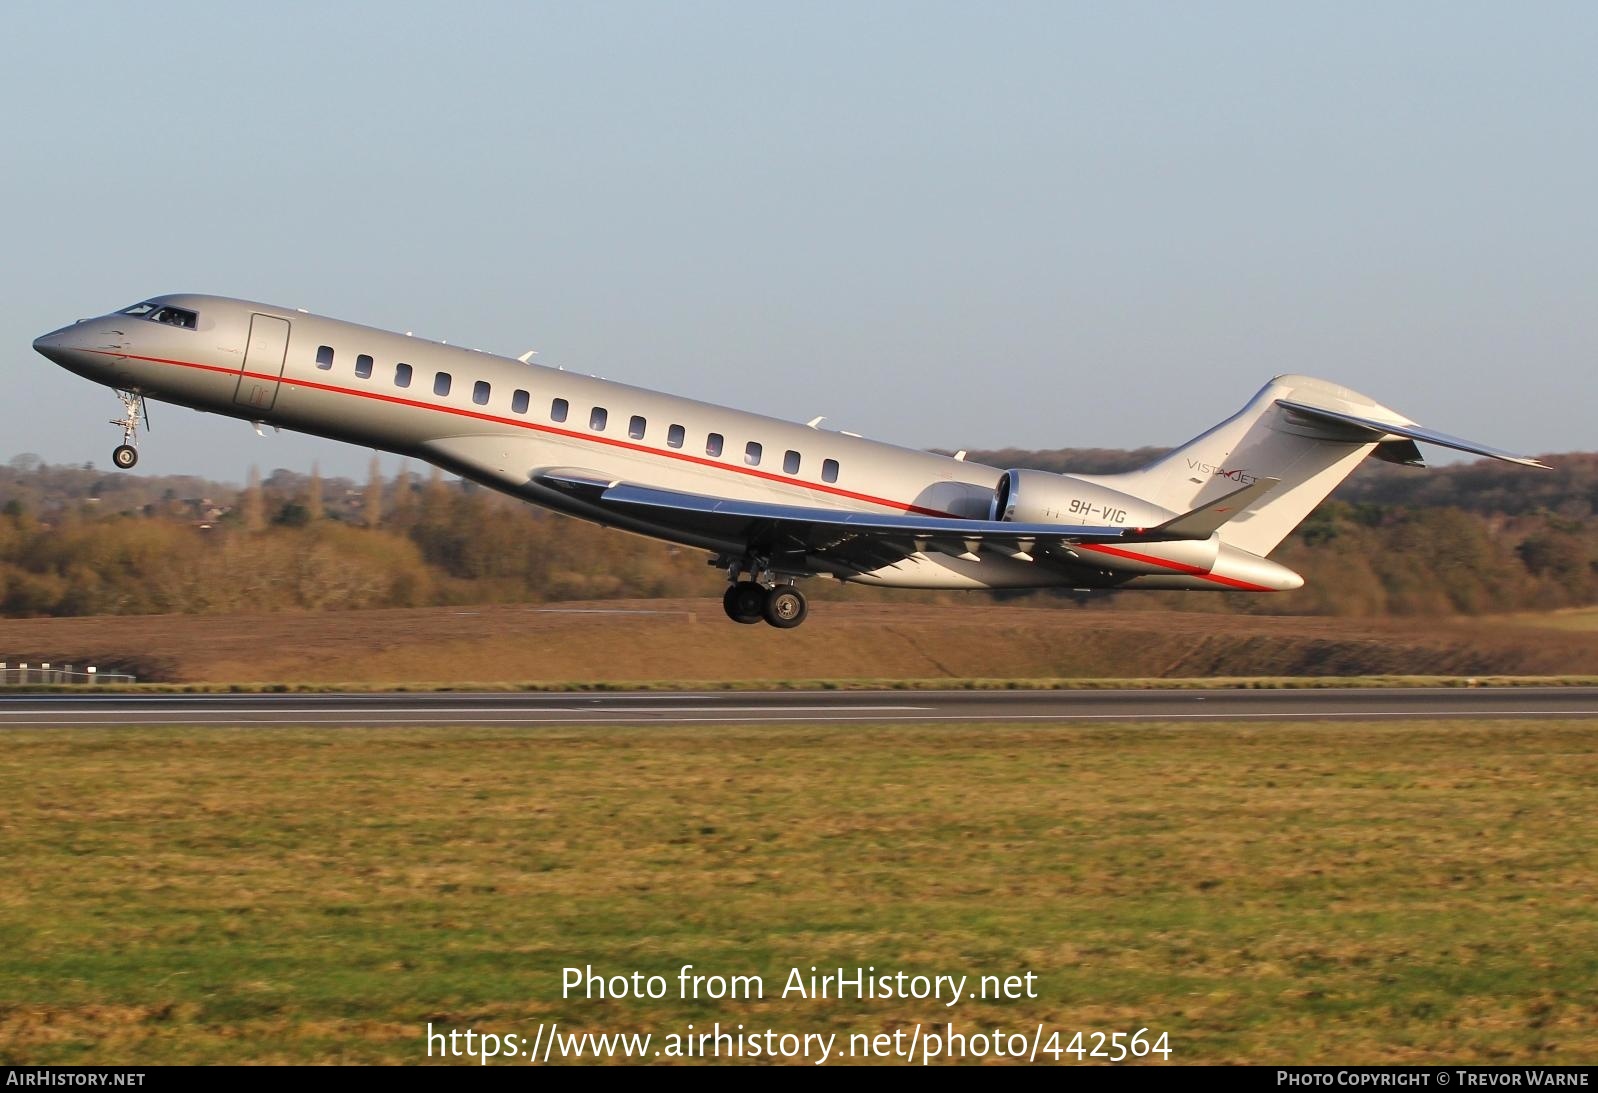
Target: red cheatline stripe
pixel 704 462
pixel 1190 570
pixel 537 428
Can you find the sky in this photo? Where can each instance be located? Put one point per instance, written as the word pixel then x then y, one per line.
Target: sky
pixel 940 225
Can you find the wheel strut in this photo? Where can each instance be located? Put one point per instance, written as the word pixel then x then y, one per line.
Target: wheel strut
pixel 127 453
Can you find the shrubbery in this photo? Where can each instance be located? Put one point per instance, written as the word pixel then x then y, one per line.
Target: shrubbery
pixel 76 542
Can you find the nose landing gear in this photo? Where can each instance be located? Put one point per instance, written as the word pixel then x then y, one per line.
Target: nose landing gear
pixel 126 454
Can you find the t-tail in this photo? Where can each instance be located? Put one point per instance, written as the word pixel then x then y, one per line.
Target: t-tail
pixel 1307 434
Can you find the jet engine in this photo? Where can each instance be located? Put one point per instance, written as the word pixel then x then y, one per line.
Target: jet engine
pixel 1038 497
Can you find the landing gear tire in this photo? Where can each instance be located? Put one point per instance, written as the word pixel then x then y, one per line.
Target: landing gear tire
pixel 785 607
pixel 744 602
pixel 126 454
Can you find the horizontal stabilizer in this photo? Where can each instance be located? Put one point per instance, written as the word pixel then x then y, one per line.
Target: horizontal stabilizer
pixel 1381 430
pixel 1206 520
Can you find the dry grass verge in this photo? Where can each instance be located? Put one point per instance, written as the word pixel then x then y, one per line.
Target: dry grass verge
pixel 628 642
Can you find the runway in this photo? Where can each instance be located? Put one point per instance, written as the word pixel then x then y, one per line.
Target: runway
pixel 789 707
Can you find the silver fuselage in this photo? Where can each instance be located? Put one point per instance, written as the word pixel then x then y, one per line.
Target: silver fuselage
pixel 500 423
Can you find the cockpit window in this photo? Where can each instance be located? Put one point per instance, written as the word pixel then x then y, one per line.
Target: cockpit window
pixel 171 316
pixel 174 316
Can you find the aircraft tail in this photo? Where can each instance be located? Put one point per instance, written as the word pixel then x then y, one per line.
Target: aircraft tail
pixel 1307 433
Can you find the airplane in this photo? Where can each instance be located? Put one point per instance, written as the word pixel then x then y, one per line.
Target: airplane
pixel 772 501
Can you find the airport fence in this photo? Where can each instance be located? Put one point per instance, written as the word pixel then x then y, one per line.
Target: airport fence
pixel 45 672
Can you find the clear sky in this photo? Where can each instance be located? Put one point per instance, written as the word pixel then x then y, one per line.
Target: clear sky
pixel 961 225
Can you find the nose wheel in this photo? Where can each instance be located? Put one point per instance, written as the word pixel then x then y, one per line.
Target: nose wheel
pixel 126 454
pixel 747 602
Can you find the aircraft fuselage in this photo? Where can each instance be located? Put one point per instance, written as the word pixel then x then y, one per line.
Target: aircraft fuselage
pixel 500 420
pixel 772 500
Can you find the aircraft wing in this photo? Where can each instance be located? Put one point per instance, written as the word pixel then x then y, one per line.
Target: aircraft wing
pixel 864 540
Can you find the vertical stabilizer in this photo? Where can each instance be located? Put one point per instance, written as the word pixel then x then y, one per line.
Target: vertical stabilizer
pixel 1263 440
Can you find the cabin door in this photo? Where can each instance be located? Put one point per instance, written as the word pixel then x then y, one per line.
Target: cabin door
pixel 263 362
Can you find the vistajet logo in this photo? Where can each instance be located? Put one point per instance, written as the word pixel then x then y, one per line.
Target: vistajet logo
pixel 1238 475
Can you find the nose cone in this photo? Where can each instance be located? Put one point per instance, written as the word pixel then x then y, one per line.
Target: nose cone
pixel 50 346
pixel 77 348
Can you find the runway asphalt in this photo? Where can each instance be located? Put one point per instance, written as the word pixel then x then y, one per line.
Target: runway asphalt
pixel 786 707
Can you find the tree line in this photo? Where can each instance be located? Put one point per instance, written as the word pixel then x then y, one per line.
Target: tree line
pixel 1464 539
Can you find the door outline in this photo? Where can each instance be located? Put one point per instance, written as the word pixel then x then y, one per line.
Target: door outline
pixel 264 356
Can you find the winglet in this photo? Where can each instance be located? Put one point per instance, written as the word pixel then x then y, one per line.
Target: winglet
pixel 1206 520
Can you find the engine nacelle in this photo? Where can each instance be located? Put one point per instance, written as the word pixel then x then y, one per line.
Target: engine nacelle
pixel 1038 497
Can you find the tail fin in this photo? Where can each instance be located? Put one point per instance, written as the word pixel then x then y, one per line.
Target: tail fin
pixel 1306 432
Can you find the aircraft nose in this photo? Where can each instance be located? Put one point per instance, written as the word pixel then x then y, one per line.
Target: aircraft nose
pixel 49 345
pixel 69 347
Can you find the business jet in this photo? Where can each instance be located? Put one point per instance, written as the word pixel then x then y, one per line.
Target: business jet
pixel 772 501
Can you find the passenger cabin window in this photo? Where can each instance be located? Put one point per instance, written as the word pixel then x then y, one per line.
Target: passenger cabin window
pixel 829 470
pixel 597 419
pixel 790 463
pixel 441 384
pixel 324 357
pixel 713 444
pixel 557 410
pixel 752 454
pixel 675 436
pixel 402 375
pixel 636 427
pixel 519 402
pixel 480 393
pixel 363 367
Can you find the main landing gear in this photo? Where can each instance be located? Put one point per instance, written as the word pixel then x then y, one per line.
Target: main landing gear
pixel 783 606
pixel 127 453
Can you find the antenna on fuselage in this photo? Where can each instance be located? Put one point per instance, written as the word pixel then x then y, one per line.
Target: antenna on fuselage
pixel 527 357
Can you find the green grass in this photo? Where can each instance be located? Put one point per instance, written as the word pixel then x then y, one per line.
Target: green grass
pixel 1421 892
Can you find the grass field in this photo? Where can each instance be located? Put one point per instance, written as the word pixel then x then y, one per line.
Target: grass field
pixel 690 643
pixel 1421 892
pixel 1576 618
